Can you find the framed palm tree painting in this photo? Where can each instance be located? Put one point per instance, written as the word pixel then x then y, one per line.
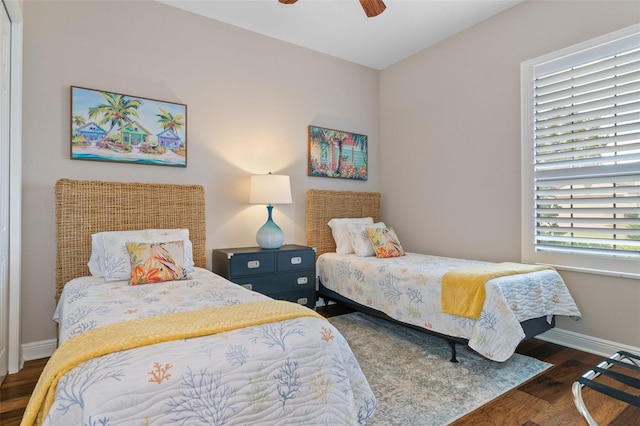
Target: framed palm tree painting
pixel 107 126
pixel 336 153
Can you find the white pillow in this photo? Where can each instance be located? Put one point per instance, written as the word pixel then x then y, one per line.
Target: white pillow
pixel 341 234
pixel 360 239
pixel 111 259
pixel 95 264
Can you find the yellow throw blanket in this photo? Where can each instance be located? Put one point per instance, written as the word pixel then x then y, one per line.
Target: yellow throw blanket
pixel 463 291
pixel 147 331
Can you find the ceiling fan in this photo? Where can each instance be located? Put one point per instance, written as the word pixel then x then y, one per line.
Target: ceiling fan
pixel 371 7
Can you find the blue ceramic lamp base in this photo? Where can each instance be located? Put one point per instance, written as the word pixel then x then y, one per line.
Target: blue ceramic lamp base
pixel 270 236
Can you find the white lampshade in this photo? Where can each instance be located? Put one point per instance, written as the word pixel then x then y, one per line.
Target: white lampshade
pixel 270 189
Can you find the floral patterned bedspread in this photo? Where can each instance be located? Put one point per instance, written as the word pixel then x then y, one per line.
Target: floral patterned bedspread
pixel 407 288
pixel 298 371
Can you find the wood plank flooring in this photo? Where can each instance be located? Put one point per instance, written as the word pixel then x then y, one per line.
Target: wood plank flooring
pixel 546 400
pixel 16 391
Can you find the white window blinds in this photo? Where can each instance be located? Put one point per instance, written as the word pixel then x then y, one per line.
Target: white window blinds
pixel 585 141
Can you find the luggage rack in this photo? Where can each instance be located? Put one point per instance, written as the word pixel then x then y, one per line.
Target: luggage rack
pixel 623 359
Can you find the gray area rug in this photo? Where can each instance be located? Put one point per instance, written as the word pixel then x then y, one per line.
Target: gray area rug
pixel 413 379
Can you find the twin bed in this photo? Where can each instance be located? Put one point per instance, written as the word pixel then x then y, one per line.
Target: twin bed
pixel 200 350
pixel 408 289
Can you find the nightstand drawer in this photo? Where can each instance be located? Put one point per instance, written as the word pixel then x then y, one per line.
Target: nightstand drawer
pixel 291 281
pixel 295 260
pixel 242 264
pixel 306 298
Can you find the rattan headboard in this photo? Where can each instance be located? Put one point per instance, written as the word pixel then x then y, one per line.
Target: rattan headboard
pixel 84 207
pixel 323 205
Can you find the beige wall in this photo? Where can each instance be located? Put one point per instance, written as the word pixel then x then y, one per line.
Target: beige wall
pixel 249 101
pixel 450 150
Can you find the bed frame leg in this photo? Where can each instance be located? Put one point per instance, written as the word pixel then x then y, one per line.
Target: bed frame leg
pixel 325 301
pixel 453 351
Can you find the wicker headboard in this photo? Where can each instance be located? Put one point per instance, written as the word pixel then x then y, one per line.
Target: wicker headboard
pixel 323 205
pixel 84 207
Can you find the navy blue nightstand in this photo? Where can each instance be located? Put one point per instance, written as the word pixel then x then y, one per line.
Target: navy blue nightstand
pixel 287 273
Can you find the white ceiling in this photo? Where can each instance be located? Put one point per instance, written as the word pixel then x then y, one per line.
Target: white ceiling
pixel 340 28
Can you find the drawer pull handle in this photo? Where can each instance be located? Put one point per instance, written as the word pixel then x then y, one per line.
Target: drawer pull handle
pixel 247 286
pixel 253 264
pixel 302 280
pixel 302 301
pixel 296 260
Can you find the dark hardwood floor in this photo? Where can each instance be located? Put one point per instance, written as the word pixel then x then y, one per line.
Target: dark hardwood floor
pixel 544 400
pixel 16 390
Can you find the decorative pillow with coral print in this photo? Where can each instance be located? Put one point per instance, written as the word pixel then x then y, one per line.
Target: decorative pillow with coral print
pixel 385 242
pixel 156 262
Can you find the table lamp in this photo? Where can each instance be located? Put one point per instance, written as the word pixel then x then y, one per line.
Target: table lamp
pixel 270 189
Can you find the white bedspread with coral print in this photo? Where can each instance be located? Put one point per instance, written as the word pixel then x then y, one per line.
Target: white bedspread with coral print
pixel 298 371
pixel 408 289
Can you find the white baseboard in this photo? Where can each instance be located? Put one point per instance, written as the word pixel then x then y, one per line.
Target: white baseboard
pixel 582 342
pixel 37 350
pixel 585 343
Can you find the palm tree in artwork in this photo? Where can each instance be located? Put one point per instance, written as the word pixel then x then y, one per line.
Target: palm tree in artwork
pixel 117 111
pixel 169 121
pixel 360 142
pixel 78 120
pixel 338 139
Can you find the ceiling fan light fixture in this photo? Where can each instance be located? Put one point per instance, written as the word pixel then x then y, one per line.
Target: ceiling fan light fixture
pixel 371 7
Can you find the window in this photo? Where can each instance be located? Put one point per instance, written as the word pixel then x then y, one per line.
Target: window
pixel 581 156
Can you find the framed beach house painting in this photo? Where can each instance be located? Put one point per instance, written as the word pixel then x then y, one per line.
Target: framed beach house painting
pixel 336 153
pixel 107 126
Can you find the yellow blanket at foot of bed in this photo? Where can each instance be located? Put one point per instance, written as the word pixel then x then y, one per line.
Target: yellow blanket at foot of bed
pixel 147 331
pixel 463 290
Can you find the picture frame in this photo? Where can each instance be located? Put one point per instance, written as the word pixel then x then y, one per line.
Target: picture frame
pixel 337 154
pixel 110 126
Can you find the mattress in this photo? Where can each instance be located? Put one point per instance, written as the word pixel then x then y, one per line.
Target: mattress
pixel 298 371
pixel 408 289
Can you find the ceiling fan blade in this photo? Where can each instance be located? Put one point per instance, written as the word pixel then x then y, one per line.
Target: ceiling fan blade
pixel 287 1
pixel 372 7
